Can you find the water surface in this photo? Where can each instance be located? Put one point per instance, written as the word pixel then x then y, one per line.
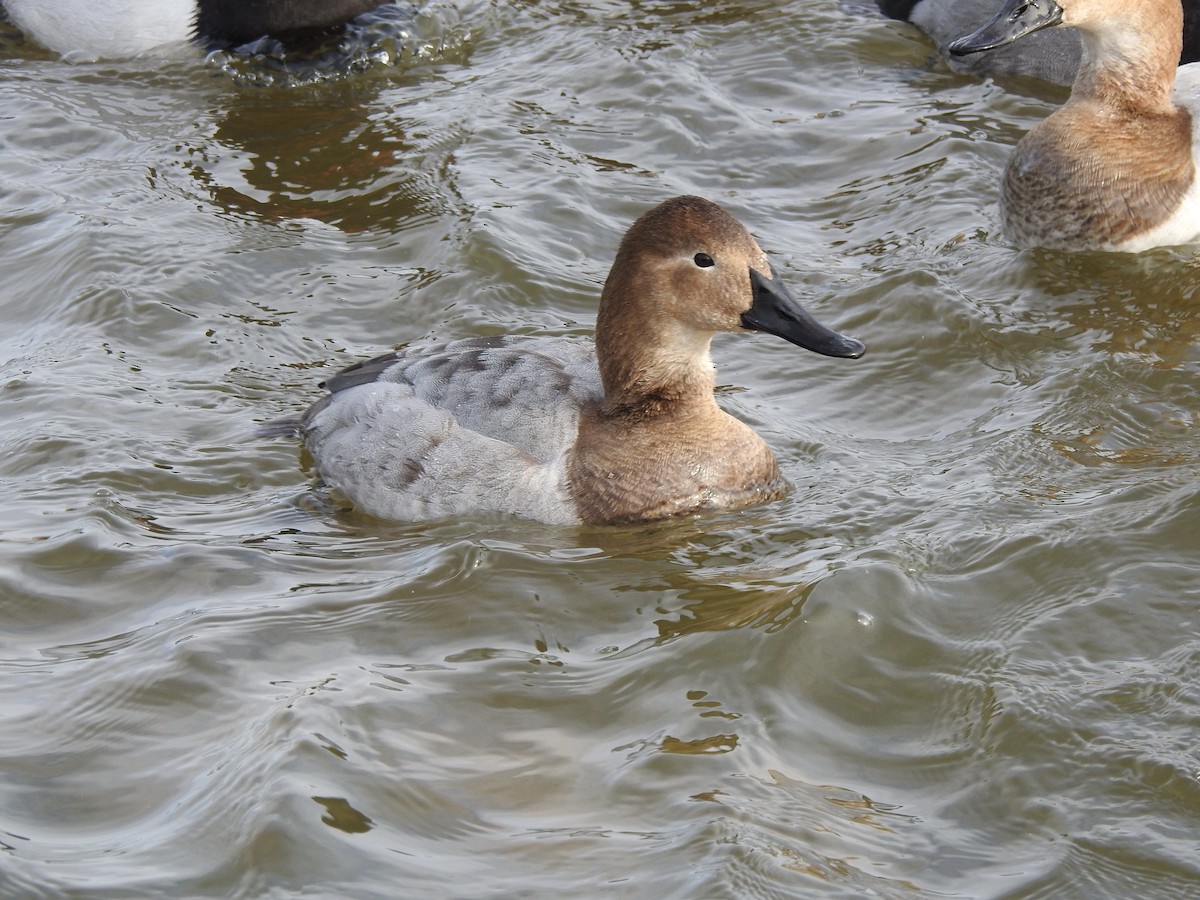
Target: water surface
pixel 959 660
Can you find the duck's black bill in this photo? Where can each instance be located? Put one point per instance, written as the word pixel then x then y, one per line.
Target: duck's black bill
pixel 1016 19
pixel 777 312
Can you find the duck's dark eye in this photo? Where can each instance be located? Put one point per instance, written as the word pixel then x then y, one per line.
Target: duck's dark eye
pixel 703 260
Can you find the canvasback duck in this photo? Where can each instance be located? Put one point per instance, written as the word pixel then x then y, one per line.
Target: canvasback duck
pixel 1115 167
pixel 549 428
pixel 114 29
pixel 1049 55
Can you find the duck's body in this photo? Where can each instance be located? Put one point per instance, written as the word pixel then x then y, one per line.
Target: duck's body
pixel 1048 55
pixel 113 29
pixel 554 430
pixel 1115 168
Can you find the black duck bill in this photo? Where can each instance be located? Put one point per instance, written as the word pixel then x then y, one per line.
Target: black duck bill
pixel 1016 19
pixel 777 312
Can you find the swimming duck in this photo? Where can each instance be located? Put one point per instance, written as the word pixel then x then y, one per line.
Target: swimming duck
pixel 554 429
pixel 1115 167
pixel 112 29
pixel 1049 55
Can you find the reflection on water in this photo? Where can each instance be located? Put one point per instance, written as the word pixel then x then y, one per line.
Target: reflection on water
pixel 292 166
pixel 957 660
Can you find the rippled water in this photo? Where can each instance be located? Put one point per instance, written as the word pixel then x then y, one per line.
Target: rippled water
pixel 960 660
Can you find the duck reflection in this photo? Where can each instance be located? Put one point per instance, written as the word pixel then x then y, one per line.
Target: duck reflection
pixel 1144 304
pixel 333 153
pixel 1133 402
pixel 326 161
pixel 723 577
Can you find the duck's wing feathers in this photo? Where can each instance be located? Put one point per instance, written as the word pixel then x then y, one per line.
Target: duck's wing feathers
pixel 396 456
pixel 469 426
pixel 526 391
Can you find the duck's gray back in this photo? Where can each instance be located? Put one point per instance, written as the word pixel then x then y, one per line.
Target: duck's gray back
pixel 520 389
pixel 475 425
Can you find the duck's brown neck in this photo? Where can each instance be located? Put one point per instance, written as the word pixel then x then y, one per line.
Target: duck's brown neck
pixel 1133 68
pixel 652 365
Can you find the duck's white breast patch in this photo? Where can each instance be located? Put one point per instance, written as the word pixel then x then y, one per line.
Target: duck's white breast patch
pixel 104 29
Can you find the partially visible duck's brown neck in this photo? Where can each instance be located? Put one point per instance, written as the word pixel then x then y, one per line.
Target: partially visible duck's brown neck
pixel 1132 68
pixel 650 363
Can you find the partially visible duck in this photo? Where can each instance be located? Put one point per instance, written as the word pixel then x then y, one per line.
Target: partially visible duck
pixel 1115 167
pixel 113 29
pixel 552 429
pixel 1049 55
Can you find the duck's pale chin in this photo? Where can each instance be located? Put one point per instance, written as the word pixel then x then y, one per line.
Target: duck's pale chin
pixel 1016 19
pixel 777 312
